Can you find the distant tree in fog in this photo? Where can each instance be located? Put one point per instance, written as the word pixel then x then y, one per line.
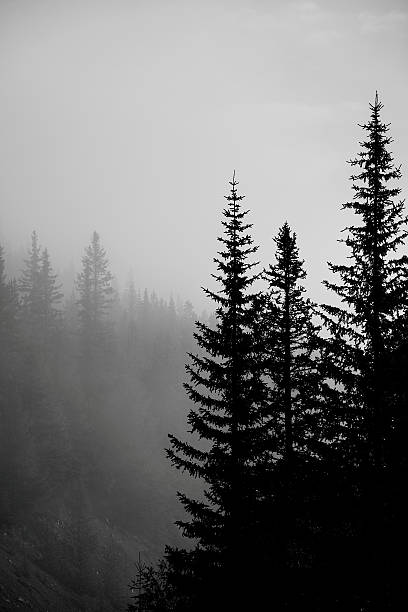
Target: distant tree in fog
pixel 8 306
pixel 30 283
pixel 40 295
pixel 95 293
pixel 51 294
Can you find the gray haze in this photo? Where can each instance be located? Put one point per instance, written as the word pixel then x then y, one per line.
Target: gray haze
pixel 129 117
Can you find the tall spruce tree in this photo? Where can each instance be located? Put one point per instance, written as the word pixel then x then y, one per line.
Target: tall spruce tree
pixel 30 286
pixel 227 386
pixel 365 327
pixel 95 291
pixel 40 297
pixel 94 285
pixel 51 294
pixel 292 343
pixel 40 318
pixel 364 331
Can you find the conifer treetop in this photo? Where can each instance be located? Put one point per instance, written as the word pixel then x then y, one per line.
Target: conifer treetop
pixel 94 282
pixel 382 229
pixel 366 327
pixel 229 394
pixel 232 262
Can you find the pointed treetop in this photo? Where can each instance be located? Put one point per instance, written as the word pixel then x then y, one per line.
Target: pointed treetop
pixel 286 228
pixel 233 182
pixel 377 106
pixel 233 197
pixel 285 234
pixel 35 248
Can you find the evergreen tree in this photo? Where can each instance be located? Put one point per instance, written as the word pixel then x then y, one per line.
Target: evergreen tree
pixel 40 318
pixel 8 311
pixel 41 295
pixel 95 293
pixel 94 286
pixel 295 396
pixel 364 329
pixel 227 386
pixel 292 345
pixel 31 440
pixel 51 294
pixel 30 286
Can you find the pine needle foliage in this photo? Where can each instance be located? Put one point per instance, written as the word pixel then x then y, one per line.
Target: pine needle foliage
pixel 94 284
pixel 364 328
pixel 51 293
pixel 230 396
pixel 30 283
pixel 40 297
pixel 364 332
pixel 95 293
pixel 293 342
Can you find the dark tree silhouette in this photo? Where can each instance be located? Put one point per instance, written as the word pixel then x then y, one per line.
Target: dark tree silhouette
pixel 292 343
pixel 227 386
pixel 371 290
pixel 364 330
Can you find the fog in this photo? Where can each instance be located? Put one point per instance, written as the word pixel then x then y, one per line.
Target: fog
pixel 122 124
pixel 129 117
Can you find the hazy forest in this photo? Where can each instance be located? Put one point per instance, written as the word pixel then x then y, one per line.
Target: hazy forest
pixel 254 458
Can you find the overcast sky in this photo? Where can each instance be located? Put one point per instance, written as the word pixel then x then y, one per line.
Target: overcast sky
pixel 129 117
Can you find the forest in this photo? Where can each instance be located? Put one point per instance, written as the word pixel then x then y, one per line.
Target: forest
pixel 274 480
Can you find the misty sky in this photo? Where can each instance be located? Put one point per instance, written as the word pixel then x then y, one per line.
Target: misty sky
pixel 129 117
